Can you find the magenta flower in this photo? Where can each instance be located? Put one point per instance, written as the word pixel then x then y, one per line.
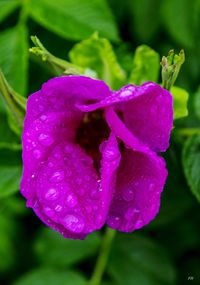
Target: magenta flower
pixel 90 154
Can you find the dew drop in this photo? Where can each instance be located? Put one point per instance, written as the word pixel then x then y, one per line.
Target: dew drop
pixel 45 140
pixel 139 224
pixel 57 176
pixel 49 212
pixel 37 153
pixel 51 194
pixel 43 118
pixel 58 208
pixel 128 194
pixel 50 164
pixel 71 200
pixel 74 223
pixel 114 220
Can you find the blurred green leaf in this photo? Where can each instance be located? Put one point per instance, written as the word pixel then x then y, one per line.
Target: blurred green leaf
pixel 15 105
pixel 138 260
pixel 6 243
pixel 7 7
pixel 75 19
pixel 197 103
pixel 14 57
pixel 146 65
pixel 7 138
pixel 191 164
pixel 181 20
pixel 172 207
pixel 97 54
pixel 9 180
pixel 142 12
pixel 53 249
pixel 49 276
pixel 180 97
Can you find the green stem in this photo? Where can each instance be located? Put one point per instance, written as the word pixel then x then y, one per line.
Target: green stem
pixel 188 131
pixel 103 257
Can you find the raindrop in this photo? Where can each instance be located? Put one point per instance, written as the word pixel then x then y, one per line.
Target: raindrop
pixel 57 176
pixel 49 212
pixel 51 194
pixel 74 223
pixel 114 220
pixel 37 154
pixel 128 194
pixel 58 208
pixel 45 140
pixel 71 200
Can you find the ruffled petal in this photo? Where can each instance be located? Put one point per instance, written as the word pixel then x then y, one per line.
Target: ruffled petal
pixel 147 111
pixel 109 164
pixel 50 124
pixel 140 181
pixel 68 196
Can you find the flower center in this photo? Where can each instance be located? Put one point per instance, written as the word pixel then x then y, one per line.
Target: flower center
pixel 92 131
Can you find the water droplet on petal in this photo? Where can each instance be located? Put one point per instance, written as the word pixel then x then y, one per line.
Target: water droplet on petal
pixel 58 208
pixel 50 164
pixel 128 194
pixel 49 212
pixel 71 200
pixel 37 153
pixel 45 140
pixel 114 220
pixel 74 223
pixel 57 176
pixel 132 213
pixel 43 118
pixel 139 224
pixel 51 194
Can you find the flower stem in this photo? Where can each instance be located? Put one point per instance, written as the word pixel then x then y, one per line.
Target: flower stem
pixel 103 257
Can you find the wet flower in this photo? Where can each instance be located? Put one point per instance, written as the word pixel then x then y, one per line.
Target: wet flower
pixel 90 154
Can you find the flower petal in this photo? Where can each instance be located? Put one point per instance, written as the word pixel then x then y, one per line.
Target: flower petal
pixel 147 111
pixel 50 124
pixel 109 164
pixel 140 181
pixel 68 195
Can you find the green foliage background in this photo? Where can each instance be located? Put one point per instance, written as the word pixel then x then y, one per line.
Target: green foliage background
pixel 167 251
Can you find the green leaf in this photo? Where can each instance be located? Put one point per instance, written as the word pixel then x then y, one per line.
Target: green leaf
pixel 75 19
pixel 14 57
pixel 97 54
pixel 7 138
pixel 181 18
pixel 64 252
pixel 146 66
pixel 172 207
pixel 138 260
pixel 49 276
pixel 180 97
pixel 197 103
pixel 9 180
pixel 7 7
pixel 191 164
pixel 7 250
pixel 142 12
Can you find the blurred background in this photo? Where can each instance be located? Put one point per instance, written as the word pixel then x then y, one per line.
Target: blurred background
pixel 165 252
